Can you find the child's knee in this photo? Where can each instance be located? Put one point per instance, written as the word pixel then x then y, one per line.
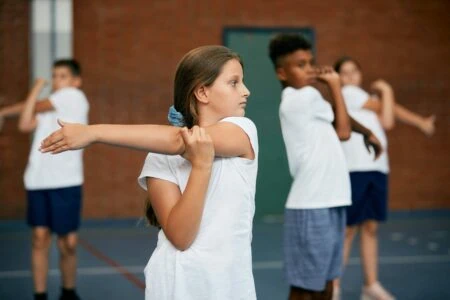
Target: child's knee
pixel 370 228
pixel 41 239
pixel 68 244
pixel 350 232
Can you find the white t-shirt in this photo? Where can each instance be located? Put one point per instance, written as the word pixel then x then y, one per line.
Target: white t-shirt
pixel 358 158
pixel 218 264
pixel 316 160
pixel 48 171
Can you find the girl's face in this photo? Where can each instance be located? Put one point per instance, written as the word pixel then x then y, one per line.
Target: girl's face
pixel 350 74
pixel 227 96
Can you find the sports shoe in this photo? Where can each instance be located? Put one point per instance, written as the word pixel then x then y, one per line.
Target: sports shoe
pixel 375 292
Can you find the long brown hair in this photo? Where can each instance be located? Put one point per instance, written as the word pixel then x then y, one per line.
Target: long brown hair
pixel 199 67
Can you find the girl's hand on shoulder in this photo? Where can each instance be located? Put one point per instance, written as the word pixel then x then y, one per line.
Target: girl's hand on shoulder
pixel 71 136
pixel 199 148
pixel 381 86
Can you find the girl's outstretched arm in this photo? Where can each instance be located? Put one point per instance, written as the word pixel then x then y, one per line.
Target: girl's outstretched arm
pixel 229 139
pixel 425 124
pixel 404 115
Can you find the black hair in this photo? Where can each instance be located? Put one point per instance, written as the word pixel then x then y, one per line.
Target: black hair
pixel 342 60
pixel 285 43
pixel 71 64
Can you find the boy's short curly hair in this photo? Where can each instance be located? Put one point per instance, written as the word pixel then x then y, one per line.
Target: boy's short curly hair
pixel 286 43
pixel 71 64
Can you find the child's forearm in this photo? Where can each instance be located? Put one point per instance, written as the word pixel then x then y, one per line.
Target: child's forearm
pixel 27 116
pixel 359 128
pixel 13 110
pixel 408 117
pixel 387 116
pixel 184 220
pixel 342 120
pixel 153 138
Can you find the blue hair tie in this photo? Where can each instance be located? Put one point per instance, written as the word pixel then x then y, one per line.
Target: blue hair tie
pixel 175 118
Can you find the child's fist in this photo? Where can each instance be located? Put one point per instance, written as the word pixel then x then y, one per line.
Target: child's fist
pixel 40 82
pixel 381 86
pixel 427 125
pixel 327 75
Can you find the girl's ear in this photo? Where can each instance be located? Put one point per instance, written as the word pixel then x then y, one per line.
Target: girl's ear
pixel 201 93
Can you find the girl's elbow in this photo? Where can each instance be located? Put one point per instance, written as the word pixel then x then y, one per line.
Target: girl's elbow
pixel 182 244
pixel 388 125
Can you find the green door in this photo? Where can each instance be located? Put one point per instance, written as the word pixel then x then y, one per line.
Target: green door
pixel 274 179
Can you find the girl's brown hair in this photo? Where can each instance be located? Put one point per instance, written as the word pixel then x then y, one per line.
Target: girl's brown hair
pixel 199 67
pixel 342 60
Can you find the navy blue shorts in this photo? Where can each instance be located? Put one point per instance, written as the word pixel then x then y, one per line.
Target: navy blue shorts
pixel 369 197
pixel 57 209
pixel 313 244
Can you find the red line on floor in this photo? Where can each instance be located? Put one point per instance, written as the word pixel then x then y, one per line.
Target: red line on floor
pixel 101 256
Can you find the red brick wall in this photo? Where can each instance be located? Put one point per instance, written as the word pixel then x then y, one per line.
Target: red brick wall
pixel 14 80
pixel 129 51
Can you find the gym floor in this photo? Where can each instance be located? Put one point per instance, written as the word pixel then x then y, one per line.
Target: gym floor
pixel 414 259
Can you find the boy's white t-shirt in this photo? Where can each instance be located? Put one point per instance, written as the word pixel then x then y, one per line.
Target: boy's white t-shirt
pixel 316 160
pixel 48 171
pixel 358 158
pixel 218 264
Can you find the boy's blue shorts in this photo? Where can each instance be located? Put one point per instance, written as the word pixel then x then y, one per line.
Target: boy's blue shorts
pixel 313 244
pixel 57 209
pixel 369 197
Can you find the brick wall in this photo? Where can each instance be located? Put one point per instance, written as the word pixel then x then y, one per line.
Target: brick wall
pixel 129 51
pixel 14 79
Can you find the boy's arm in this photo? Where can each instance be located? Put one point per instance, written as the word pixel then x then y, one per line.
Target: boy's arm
pixel 15 110
pixel 229 139
pixel 370 140
pixel 386 115
pixel 12 110
pixel 342 120
pixel 27 119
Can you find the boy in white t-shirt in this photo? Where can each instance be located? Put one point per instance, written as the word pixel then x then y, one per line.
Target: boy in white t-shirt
pixel 312 129
pixel 53 183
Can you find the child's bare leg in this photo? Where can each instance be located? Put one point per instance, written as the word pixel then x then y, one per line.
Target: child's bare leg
pixel 41 240
pixel 68 260
pixel 369 251
pixel 350 233
pixel 327 294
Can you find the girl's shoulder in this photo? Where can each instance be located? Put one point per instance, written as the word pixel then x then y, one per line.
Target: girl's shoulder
pixel 353 90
